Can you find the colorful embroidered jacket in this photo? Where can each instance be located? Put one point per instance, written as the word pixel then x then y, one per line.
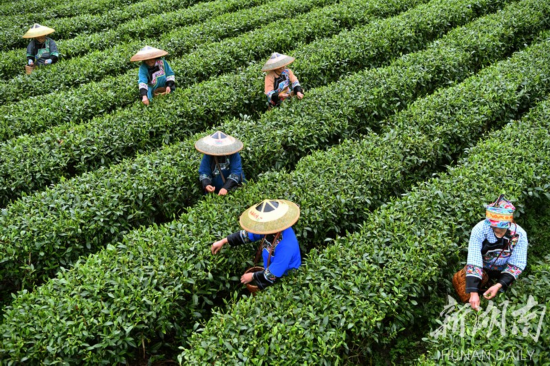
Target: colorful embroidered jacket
pixel 158 76
pixel 38 53
pixel 231 169
pixel 276 84
pixel 285 254
pixel 507 255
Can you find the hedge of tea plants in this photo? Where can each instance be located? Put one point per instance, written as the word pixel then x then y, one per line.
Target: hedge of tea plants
pixel 366 287
pixel 45 112
pixel 115 60
pixel 72 22
pixel 108 197
pixel 134 28
pixel 68 150
pixel 52 9
pixel 171 267
pixel 35 115
pixel 485 341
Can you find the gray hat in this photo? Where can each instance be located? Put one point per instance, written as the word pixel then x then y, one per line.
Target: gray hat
pixel 219 144
pixel 277 60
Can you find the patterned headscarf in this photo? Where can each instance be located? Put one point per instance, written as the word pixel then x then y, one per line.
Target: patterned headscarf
pixel 500 213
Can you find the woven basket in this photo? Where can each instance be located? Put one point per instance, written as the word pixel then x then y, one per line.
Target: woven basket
pixel 159 91
pixel 253 288
pixel 28 69
pixel 459 283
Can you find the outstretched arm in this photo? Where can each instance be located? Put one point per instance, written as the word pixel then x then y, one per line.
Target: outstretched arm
pixel 296 87
pixel 235 239
pixel 143 81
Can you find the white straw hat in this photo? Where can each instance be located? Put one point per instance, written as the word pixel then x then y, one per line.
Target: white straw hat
pixel 219 144
pixel 277 60
pixel 148 53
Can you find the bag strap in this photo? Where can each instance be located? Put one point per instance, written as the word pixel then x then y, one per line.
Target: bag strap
pixel 509 246
pixel 219 169
pixel 271 249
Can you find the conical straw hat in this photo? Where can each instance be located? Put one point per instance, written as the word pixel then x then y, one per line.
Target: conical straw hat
pixel 219 144
pixel 148 53
pixel 38 30
pixel 277 60
pixel 270 216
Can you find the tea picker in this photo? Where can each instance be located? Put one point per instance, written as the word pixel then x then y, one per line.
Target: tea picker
pixel 220 170
pixel 155 75
pixel 269 222
pixel 41 50
pixel 497 251
pixel 280 81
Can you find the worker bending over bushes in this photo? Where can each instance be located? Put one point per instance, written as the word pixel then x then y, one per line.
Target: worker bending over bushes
pixel 497 253
pixel 280 82
pixel 41 50
pixel 155 75
pixel 269 221
pixel 220 170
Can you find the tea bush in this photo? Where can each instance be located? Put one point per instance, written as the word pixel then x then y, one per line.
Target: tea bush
pixel 366 287
pixel 68 150
pixel 70 21
pixel 158 186
pixel 36 114
pixel 162 279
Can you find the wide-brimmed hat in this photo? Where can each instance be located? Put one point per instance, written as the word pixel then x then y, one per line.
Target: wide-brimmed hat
pixel 38 30
pixel 277 60
pixel 500 213
pixel 270 216
pixel 219 144
pixel 148 53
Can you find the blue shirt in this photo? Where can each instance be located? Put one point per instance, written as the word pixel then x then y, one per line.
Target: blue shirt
pixel 286 255
pixel 158 79
pixel 230 167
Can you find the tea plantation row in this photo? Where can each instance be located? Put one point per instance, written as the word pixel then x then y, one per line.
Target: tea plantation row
pixel 365 287
pixel 171 269
pixel 133 28
pixel 68 150
pixel 53 9
pixel 161 184
pixel 68 19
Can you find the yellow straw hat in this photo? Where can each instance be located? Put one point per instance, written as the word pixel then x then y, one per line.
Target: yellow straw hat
pixel 38 30
pixel 277 60
pixel 270 216
pixel 219 144
pixel 148 53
